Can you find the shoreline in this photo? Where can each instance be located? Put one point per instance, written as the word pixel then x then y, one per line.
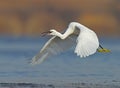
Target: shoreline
pixel 66 85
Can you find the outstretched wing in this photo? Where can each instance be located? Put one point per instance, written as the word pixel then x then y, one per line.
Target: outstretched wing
pixel 54 46
pixel 87 43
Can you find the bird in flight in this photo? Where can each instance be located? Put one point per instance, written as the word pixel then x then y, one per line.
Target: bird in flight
pixel 85 40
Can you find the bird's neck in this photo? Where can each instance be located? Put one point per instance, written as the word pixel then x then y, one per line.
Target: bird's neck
pixel 68 32
pixel 71 28
pixel 78 25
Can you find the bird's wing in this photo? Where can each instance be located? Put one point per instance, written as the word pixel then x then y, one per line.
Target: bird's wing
pixel 87 43
pixel 54 46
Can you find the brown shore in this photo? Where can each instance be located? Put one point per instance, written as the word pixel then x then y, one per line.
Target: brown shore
pixel 31 17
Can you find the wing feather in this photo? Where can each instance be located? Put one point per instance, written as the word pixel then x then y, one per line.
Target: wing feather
pixel 87 43
pixel 54 46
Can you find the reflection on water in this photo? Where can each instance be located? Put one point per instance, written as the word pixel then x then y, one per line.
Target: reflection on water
pixel 15 54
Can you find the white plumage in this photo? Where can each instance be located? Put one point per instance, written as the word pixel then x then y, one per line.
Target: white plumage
pixel 86 42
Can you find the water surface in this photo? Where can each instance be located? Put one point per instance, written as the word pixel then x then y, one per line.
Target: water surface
pixel 15 54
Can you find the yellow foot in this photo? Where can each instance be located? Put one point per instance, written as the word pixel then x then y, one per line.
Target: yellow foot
pixel 104 50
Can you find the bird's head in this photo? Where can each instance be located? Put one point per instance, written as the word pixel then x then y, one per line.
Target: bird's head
pixel 51 32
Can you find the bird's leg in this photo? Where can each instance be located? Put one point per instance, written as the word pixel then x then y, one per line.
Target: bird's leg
pixel 100 46
pixel 103 50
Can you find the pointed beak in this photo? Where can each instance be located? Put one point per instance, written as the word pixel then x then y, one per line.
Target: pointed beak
pixel 45 33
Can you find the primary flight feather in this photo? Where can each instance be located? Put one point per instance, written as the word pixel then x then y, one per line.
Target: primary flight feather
pixel 86 42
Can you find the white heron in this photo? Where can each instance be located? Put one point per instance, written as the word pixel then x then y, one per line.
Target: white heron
pixel 85 39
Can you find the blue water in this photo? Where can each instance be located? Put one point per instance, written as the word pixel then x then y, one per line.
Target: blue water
pixel 16 52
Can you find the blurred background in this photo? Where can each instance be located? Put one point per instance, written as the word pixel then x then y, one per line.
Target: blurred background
pixel 22 21
pixel 31 17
